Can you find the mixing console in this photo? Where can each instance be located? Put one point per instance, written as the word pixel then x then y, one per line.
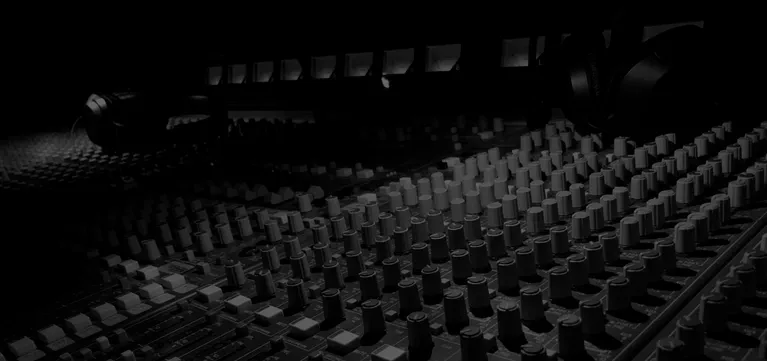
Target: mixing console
pixel 560 248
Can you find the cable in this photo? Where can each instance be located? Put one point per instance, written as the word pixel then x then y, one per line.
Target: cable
pixel 72 131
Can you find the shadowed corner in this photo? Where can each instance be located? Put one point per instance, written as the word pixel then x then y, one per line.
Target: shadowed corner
pixel 569 303
pixel 645 245
pixel 736 338
pixel 564 255
pixel 668 224
pixel 249 252
pixel 390 289
pixel 459 281
pixel 369 339
pixel 536 278
pixel 739 221
pixel 680 214
pixel 594 237
pixel 727 231
pixel 432 299
pixel 649 300
pixel 549 266
pixel 750 320
pixel 326 324
pixel 656 235
pixel 682 272
pixel 757 302
pixel 515 344
pixel 260 298
pixel 228 288
pixel 421 353
pixel 714 242
pixel 512 292
pixel 604 275
pixel 483 312
pixel 540 326
pixel 631 315
pixel 752 206
pixel 700 253
pixel 579 357
pixel 664 285
pixel 454 329
pixel 292 311
pixel 604 341
pixel 620 262
pixel 588 289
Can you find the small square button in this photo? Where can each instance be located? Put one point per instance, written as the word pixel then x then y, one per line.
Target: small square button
pixel 391 315
pixel 50 334
pixel 173 281
pixel 203 268
pixel 78 323
pixel 268 315
pixel 314 291
pixel 238 304
pixel 103 311
pixel 490 342
pixel 86 354
pixel 150 291
pixel 389 353
pixel 112 260
pixel 276 344
pixel 351 303
pixel 492 293
pixel 128 266
pixel 436 328
pixel 304 328
pixel 22 347
pixel 343 342
pixel 127 355
pixel 148 273
pixel 103 343
pixel 128 301
pixel 210 294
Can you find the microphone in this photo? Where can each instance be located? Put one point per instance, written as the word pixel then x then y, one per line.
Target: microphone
pixel 138 122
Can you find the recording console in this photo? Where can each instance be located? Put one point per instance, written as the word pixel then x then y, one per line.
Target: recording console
pixel 488 242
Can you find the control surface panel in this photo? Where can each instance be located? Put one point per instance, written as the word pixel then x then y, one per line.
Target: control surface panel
pixel 542 246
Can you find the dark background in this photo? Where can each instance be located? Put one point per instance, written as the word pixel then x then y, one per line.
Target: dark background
pixel 59 63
